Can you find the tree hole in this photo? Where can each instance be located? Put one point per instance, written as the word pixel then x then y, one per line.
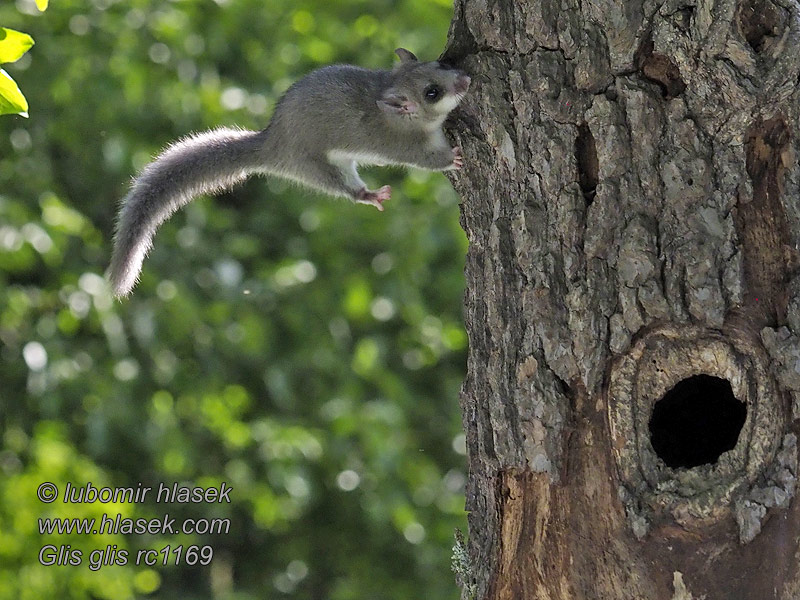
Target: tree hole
pixel 696 421
pixel 684 17
pixel 659 68
pixel 760 22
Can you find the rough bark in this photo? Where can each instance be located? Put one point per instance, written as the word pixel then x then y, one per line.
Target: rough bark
pixel 632 203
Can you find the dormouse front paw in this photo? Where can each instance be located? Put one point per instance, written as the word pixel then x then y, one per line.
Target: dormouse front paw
pixel 458 159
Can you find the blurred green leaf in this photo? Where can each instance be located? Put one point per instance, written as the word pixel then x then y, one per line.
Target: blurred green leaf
pixel 12 102
pixel 13 44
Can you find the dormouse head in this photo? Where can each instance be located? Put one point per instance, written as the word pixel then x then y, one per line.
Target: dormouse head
pixel 423 92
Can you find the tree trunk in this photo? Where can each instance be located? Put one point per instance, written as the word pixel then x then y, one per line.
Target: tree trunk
pixel 632 202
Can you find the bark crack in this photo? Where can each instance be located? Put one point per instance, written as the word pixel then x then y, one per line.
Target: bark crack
pixel 762 227
pixel 586 155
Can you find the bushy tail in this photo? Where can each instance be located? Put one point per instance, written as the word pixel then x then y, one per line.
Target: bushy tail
pixel 203 163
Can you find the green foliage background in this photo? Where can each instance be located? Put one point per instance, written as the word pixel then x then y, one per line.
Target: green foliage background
pixel 306 351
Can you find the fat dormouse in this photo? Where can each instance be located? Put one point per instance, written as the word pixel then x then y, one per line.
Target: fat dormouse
pixel 325 126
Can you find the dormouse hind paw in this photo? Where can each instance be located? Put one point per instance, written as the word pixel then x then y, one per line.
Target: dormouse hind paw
pixel 375 198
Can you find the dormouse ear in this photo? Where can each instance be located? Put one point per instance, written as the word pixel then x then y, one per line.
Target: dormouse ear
pixel 394 103
pixel 405 55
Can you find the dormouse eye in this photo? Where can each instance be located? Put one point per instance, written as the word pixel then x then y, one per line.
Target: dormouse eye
pixel 432 93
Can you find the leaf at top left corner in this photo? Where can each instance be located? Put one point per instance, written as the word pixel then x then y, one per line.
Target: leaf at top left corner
pixel 13 44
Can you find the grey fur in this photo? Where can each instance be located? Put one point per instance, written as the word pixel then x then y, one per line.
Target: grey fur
pixel 326 124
